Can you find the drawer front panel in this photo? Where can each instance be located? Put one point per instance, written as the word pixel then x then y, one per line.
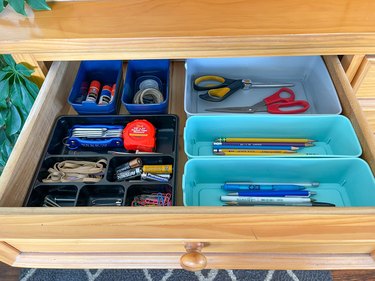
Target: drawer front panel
pixel 137 246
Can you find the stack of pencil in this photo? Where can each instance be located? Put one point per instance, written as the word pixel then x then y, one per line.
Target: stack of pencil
pixel 271 194
pixel 260 146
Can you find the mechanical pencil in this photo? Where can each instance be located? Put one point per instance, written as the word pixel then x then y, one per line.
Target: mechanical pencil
pixel 240 187
pixel 306 184
pixel 307 204
pixel 273 193
pixel 253 199
pixel 262 140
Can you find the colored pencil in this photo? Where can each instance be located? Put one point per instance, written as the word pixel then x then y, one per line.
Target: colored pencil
pixel 255 150
pixel 279 147
pixel 299 144
pixel 263 140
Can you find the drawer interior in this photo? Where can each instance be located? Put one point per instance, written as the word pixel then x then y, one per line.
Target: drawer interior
pixel 52 102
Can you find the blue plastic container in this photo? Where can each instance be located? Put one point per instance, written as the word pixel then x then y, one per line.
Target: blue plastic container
pixel 334 134
pixel 107 73
pixel 139 70
pixel 343 182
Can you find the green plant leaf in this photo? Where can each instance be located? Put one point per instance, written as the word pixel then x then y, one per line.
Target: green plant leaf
pixel 2 6
pixel 14 121
pixel 15 94
pixel 24 70
pixel 3 115
pixel 3 73
pixel 18 6
pixel 27 98
pixel 32 88
pixel 4 93
pixel 8 58
pixel 17 99
pixel 38 4
pixel 9 70
pixel 6 149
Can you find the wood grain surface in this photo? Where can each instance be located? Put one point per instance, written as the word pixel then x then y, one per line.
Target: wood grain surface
pixel 364 80
pixel 190 28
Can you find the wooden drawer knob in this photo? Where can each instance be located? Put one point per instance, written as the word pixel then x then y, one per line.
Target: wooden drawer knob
pixel 193 260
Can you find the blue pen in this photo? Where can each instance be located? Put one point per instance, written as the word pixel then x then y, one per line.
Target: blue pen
pixel 277 147
pixel 273 193
pixel 239 187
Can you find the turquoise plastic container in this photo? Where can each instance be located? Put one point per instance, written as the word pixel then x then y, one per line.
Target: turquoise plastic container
pixel 334 134
pixel 343 181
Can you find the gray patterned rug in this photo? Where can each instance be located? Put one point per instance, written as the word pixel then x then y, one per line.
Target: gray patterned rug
pixel 171 275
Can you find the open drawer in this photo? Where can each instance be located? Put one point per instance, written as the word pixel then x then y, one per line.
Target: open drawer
pixel 111 237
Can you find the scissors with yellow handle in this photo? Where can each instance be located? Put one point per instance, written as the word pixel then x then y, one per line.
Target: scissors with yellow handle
pixel 219 88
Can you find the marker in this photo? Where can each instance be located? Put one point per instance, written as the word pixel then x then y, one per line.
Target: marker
pixel 308 204
pixel 274 193
pixel 256 147
pixel 262 140
pixel 305 184
pixel 253 199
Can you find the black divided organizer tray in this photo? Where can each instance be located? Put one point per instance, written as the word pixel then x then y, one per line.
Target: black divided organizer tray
pixel 82 194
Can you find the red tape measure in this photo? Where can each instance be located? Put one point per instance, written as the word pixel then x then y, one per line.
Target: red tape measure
pixel 139 135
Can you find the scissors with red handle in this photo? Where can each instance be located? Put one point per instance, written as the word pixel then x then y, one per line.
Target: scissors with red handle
pixel 275 104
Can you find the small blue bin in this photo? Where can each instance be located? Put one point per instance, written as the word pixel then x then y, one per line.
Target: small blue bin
pixel 139 70
pixel 343 181
pixel 107 73
pixel 333 134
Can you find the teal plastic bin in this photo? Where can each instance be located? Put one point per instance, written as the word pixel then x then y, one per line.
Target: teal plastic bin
pixel 343 181
pixel 334 134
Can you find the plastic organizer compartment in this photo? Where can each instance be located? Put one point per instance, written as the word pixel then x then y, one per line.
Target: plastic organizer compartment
pixel 107 73
pixel 136 72
pixel 333 134
pixel 166 135
pixel 343 181
pixel 308 74
pixel 107 187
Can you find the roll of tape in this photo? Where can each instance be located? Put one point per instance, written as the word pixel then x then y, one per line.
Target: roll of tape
pixel 148 96
pixel 149 83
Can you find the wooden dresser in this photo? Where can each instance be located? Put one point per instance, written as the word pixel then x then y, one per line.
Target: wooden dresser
pixel 232 238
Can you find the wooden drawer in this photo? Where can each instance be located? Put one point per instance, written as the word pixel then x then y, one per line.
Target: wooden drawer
pixel 248 237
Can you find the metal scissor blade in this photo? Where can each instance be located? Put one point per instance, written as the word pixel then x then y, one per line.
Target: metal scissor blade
pixel 243 109
pixel 262 85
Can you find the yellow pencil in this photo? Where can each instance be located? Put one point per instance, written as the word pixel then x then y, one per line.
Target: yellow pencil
pixel 263 140
pixel 258 151
pixel 253 154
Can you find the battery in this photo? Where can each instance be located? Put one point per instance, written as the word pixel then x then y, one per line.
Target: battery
pixel 105 95
pixel 135 163
pixel 149 176
pixel 113 91
pixel 93 93
pixel 129 174
pixel 157 169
